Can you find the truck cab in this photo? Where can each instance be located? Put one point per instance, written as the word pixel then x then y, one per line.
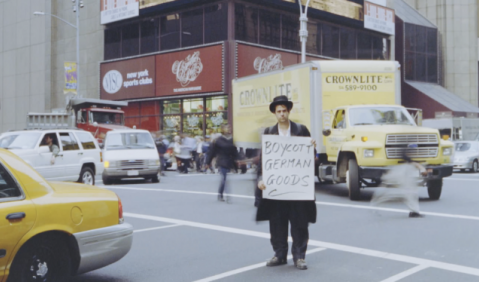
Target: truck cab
pixel 364 140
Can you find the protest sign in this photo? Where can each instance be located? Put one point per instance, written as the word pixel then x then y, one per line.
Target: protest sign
pixel 288 168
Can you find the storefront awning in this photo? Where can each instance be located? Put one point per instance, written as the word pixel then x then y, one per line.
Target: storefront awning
pixel 410 15
pixel 444 97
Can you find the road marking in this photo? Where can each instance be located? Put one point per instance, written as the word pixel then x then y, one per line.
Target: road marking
pixel 457 216
pixel 155 228
pixel 321 244
pixel 406 273
pixel 248 268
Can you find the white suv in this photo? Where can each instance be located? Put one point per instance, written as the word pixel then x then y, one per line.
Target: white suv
pixel 79 157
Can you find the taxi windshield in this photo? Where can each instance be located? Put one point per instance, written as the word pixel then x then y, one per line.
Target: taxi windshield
pixel 380 116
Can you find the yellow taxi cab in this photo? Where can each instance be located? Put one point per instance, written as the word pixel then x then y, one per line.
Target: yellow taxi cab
pixel 50 231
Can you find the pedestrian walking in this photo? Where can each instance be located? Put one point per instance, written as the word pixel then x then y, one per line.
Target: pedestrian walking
pixel 182 155
pixel 199 154
pixel 190 143
pixel 205 149
pixel 282 212
pixel 162 145
pixel 402 186
pixel 226 155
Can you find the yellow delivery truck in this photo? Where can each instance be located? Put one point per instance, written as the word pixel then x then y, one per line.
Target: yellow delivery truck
pixel 353 109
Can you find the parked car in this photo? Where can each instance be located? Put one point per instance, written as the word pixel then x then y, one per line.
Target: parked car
pixel 466 155
pixel 53 230
pixel 130 153
pixel 79 157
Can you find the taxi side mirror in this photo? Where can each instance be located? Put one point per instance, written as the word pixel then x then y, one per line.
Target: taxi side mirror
pixel 327 132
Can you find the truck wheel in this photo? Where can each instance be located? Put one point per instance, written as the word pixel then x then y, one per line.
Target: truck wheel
pixel 42 259
pixel 434 189
pixel 87 176
pixel 106 180
pixel 352 180
pixel 474 166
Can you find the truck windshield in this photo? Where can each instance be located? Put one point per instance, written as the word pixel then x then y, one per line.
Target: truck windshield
pixel 380 116
pixel 19 141
pixel 106 118
pixel 135 140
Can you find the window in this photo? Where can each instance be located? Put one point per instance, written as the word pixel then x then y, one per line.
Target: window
pixel 216 23
pixel 380 48
pixel 290 33
pixel 20 141
pixel 246 23
pixel 170 32
pixel 69 142
pixel 269 29
pixel 133 140
pixel 313 45
pixel 421 53
pixel 348 44
pixel 192 28
pixel 149 36
pixel 330 41
pixel 193 105
pixel 219 103
pixel 86 140
pixel 112 43
pixel 130 44
pixel 365 46
pixel 8 186
pixel 171 107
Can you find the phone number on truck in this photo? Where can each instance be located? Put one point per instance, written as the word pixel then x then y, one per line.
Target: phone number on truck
pixel 361 87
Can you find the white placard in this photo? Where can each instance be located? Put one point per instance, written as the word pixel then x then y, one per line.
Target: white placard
pixel 379 18
pixel 288 167
pixel 119 11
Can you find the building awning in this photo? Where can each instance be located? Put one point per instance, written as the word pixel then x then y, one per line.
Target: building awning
pixel 444 97
pixel 410 15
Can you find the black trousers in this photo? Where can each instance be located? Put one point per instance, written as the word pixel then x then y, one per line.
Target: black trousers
pixel 278 226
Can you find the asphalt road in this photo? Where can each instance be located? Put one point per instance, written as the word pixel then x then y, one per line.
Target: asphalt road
pixel 182 233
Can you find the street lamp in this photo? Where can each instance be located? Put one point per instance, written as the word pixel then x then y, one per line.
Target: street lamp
pixel 303 31
pixel 76 8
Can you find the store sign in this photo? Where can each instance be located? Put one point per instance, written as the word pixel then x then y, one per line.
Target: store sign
pixel 117 10
pixel 254 60
pixel 191 71
pixel 379 18
pixel 127 79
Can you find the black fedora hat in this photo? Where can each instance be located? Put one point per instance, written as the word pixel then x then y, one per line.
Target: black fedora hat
pixel 280 100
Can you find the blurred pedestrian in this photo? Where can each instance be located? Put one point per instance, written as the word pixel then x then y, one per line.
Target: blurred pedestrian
pixel 199 153
pixel 205 149
pixel 190 143
pixel 162 145
pixel 282 212
pixel 182 155
pixel 402 185
pixel 226 155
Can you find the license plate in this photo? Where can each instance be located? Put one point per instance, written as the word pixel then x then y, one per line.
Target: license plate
pixel 132 172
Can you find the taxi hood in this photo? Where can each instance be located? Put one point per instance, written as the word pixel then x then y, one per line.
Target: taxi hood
pixel 79 189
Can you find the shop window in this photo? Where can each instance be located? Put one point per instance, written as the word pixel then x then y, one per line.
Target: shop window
pixel 171 107
pixel 420 63
pixel 193 105
pixel 421 43
pixel 219 103
pixel 150 108
pixel 432 68
pixel 246 23
pixel 313 45
pixel 431 41
pixel 410 37
pixel 132 121
pixel 132 110
pixel 216 23
pixel 364 46
pixel 171 125
pixel 214 122
pixel 269 29
pixel 410 65
pixel 112 43
pixel 348 44
pixel 192 28
pixel 420 70
pixel 151 123
pixel 330 41
pixel 170 32
pixel 149 36
pixel 380 48
pixel 290 33
pixel 130 44
pixel 193 124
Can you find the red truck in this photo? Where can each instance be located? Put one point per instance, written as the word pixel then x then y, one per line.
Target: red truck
pixel 93 115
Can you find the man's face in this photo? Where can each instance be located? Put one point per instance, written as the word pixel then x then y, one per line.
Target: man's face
pixel 48 139
pixel 282 113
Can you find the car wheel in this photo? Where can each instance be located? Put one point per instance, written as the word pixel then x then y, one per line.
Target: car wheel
pixel 434 189
pixel 474 166
pixel 106 180
pixel 87 176
pixel 44 258
pixel 352 180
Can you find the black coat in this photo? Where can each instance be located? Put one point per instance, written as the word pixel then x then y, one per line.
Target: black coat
pixel 225 152
pixel 303 212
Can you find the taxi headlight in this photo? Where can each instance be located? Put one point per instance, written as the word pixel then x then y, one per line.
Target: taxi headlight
pixel 368 153
pixel 447 151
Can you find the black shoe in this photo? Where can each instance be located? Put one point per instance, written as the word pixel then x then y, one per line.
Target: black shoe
pixel 300 264
pixel 275 261
pixel 415 214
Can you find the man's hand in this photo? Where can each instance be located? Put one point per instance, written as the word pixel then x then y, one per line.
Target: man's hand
pixel 52 160
pixel 261 185
pixel 313 142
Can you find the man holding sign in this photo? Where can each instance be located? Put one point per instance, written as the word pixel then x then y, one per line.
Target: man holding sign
pixel 287 180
